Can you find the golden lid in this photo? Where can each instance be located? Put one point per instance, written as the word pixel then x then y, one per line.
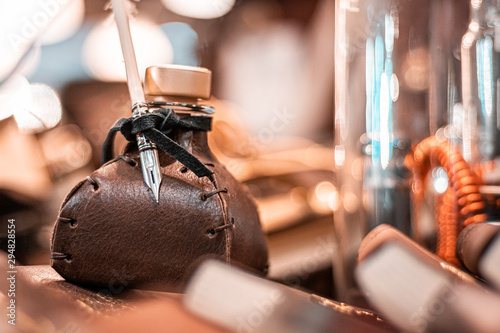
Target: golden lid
pixel 179 81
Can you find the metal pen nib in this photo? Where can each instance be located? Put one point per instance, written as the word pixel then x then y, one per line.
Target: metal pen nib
pixel 147 151
pixel 150 163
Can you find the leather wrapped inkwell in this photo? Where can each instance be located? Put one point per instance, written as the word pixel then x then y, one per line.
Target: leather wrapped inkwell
pixel 111 231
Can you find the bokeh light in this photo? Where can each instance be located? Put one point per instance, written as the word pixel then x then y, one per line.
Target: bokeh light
pixel 201 9
pixel 65 24
pixel 440 180
pixel 24 23
pixel 36 108
pixel 325 198
pixel 14 84
pixel 103 56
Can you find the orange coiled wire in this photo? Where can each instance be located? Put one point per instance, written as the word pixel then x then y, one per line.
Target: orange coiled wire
pixel 462 203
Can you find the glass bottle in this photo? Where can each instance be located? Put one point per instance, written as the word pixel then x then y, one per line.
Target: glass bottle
pixel 397 82
pixel 481 93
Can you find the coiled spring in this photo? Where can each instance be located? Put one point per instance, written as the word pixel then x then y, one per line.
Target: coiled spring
pixel 461 205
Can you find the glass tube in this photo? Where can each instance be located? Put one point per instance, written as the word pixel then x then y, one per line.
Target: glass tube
pixel 397 82
pixel 481 91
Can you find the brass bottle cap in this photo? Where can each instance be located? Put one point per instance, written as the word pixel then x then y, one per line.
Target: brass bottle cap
pixel 185 82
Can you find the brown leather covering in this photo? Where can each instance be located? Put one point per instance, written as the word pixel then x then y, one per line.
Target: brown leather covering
pixel 47 303
pixel 110 229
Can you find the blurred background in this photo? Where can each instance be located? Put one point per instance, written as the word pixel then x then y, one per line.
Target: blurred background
pixel 62 87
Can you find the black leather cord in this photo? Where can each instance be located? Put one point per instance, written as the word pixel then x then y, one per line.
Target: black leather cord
pixel 156 127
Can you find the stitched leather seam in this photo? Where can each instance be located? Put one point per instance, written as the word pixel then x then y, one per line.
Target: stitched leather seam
pixel 205 196
pixel 72 222
pixel 94 183
pixel 219 229
pixel 130 161
pixel 225 217
pixel 60 256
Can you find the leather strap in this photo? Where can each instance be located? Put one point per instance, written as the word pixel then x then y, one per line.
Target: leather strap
pixel 157 127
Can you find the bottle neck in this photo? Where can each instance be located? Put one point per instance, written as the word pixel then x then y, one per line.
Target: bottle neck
pixel 193 141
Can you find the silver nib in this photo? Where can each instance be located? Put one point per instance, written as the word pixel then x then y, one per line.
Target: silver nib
pixel 150 165
pixel 149 155
pixel 150 162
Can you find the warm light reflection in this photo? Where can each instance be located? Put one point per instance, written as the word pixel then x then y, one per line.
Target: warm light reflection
pixel 440 182
pixel 394 87
pixel 37 107
pixel 468 40
pixel 103 57
pixel 476 3
pixel 474 26
pixel 339 156
pixel 201 9
pixel 324 190
pixel 325 198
